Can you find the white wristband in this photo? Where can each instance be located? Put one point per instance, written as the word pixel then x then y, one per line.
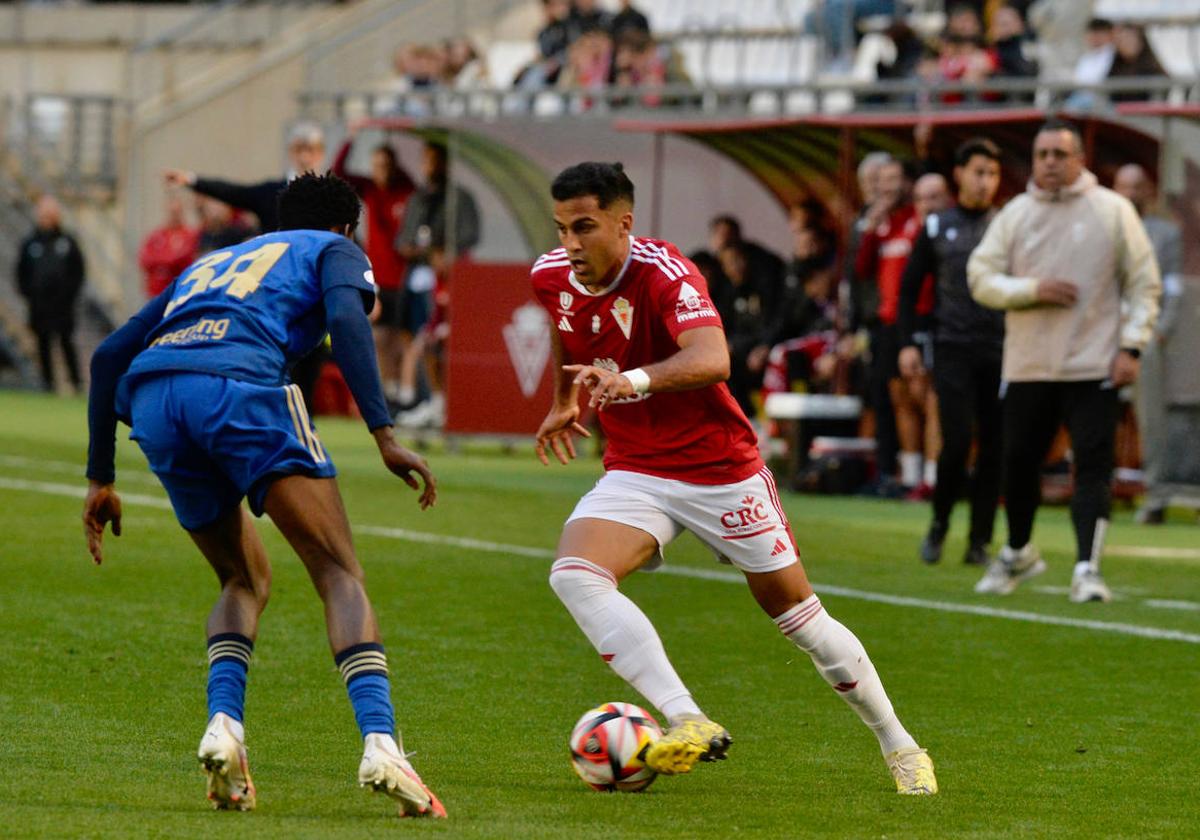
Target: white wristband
pixel 639 379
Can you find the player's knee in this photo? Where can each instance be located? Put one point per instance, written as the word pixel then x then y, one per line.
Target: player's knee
pixel 573 578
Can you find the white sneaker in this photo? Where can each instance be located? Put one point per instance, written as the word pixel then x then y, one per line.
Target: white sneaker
pixel 912 769
pixel 1089 586
pixel 222 756
pixel 385 769
pixel 430 414
pixel 1009 568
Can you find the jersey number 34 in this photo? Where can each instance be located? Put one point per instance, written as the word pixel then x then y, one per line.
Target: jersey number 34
pixel 239 279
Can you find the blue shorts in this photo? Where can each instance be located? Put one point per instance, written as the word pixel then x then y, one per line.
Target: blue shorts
pixel 212 440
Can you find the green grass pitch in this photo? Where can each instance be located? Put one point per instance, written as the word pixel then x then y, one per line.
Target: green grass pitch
pixel 1037 730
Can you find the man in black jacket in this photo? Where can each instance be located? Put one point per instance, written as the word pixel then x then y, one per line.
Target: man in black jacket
pixel 306 153
pixel 49 277
pixel 968 342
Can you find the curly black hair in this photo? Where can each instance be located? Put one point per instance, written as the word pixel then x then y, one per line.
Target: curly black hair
pixel 607 181
pixel 318 202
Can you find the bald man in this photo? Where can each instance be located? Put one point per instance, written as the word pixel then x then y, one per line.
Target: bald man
pixel 1133 182
pixel 49 277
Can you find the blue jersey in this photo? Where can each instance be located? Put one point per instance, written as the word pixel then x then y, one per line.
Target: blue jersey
pixel 249 312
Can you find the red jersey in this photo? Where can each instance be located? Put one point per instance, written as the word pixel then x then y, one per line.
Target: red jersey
pixel 699 436
pixel 385 217
pixel 882 255
pixel 165 253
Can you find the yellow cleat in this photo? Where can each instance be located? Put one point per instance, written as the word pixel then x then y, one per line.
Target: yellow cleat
pixel 912 768
pixel 688 741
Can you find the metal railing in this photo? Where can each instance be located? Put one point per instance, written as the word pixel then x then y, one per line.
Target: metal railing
pixel 815 97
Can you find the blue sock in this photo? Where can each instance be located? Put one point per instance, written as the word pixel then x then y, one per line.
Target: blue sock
pixel 228 662
pixel 364 668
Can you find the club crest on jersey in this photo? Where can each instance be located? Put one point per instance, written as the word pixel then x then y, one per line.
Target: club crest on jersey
pixel 622 311
pixel 528 342
pixel 690 305
pixel 749 519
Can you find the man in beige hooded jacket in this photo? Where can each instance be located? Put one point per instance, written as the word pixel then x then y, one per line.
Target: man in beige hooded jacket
pixel 1071 263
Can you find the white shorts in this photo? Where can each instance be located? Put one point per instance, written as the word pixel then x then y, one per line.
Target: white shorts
pixel 743 523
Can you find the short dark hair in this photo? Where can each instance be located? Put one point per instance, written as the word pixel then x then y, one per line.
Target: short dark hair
pixel 1099 24
pixel 317 202
pixel 729 221
pixel 1059 124
pixel 606 181
pixel 976 146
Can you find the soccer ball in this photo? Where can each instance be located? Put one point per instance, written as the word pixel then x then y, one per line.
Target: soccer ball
pixel 608 745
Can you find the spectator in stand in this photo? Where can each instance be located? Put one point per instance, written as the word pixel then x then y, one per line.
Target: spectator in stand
pixel 306 153
pixel 385 195
pixel 586 16
pixel 1071 263
pixel 967 344
pixel 464 67
pixel 1133 58
pixel 168 250
pixel 961 54
pixel 628 20
pixel 220 226
pixel 1060 27
pixel 836 23
pixel 1009 44
pixel 762 262
pixel 1094 64
pixel 1133 182
pixel 589 63
pixel 50 274
pixel 641 62
pixel 429 244
pixel 552 39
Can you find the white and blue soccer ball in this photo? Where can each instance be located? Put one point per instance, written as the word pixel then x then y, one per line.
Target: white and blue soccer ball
pixel 608 747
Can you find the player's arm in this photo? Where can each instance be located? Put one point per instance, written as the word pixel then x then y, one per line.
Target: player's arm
pixel 563 419
pixel 346 306
pixel 702 360
pixel 110 361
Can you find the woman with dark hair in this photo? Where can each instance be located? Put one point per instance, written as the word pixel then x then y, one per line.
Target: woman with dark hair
pixel 1133 58
pixel 385 195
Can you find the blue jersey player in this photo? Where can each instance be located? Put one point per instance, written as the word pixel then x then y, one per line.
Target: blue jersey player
pixel 200 373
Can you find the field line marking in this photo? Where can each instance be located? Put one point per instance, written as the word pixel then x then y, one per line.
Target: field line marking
pixel 79 491
pixel 1151 551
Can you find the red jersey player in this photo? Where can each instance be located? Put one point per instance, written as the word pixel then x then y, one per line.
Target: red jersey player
pixel 633 324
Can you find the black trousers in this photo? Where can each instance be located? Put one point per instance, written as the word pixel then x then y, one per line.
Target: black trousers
pixel 1033 411
pixel 885 350
pixel 966 378
pixel 65 334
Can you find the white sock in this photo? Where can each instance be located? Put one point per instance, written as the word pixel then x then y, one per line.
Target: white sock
pixel 620 633
pixel 840 658
pixel 405 394
pixel 1082 567
pixel 931 472
pixel 910 468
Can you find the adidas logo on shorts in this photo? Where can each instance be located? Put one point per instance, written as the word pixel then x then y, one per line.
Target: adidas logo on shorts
pixel 780 548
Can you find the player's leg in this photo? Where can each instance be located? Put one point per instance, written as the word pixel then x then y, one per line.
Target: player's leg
pixel 616 529
pixel 309 513
pixel 908 431
pixel 952 380
pixel 786 595
pixel 66 337
pixel 207 505
pixel 233 548
pixel 45 342
pixel 1031 419
pixel 985 487
pixel 1091 415
pixel 933 432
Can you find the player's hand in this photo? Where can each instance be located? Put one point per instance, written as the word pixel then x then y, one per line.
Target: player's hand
pixel 910 362
pixel 179 177
pixel 1125 369
pixel 404 462
pixel 1057 292
pixel 101 506
pixel 756 359
pixel 604 385
pixel 555 434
